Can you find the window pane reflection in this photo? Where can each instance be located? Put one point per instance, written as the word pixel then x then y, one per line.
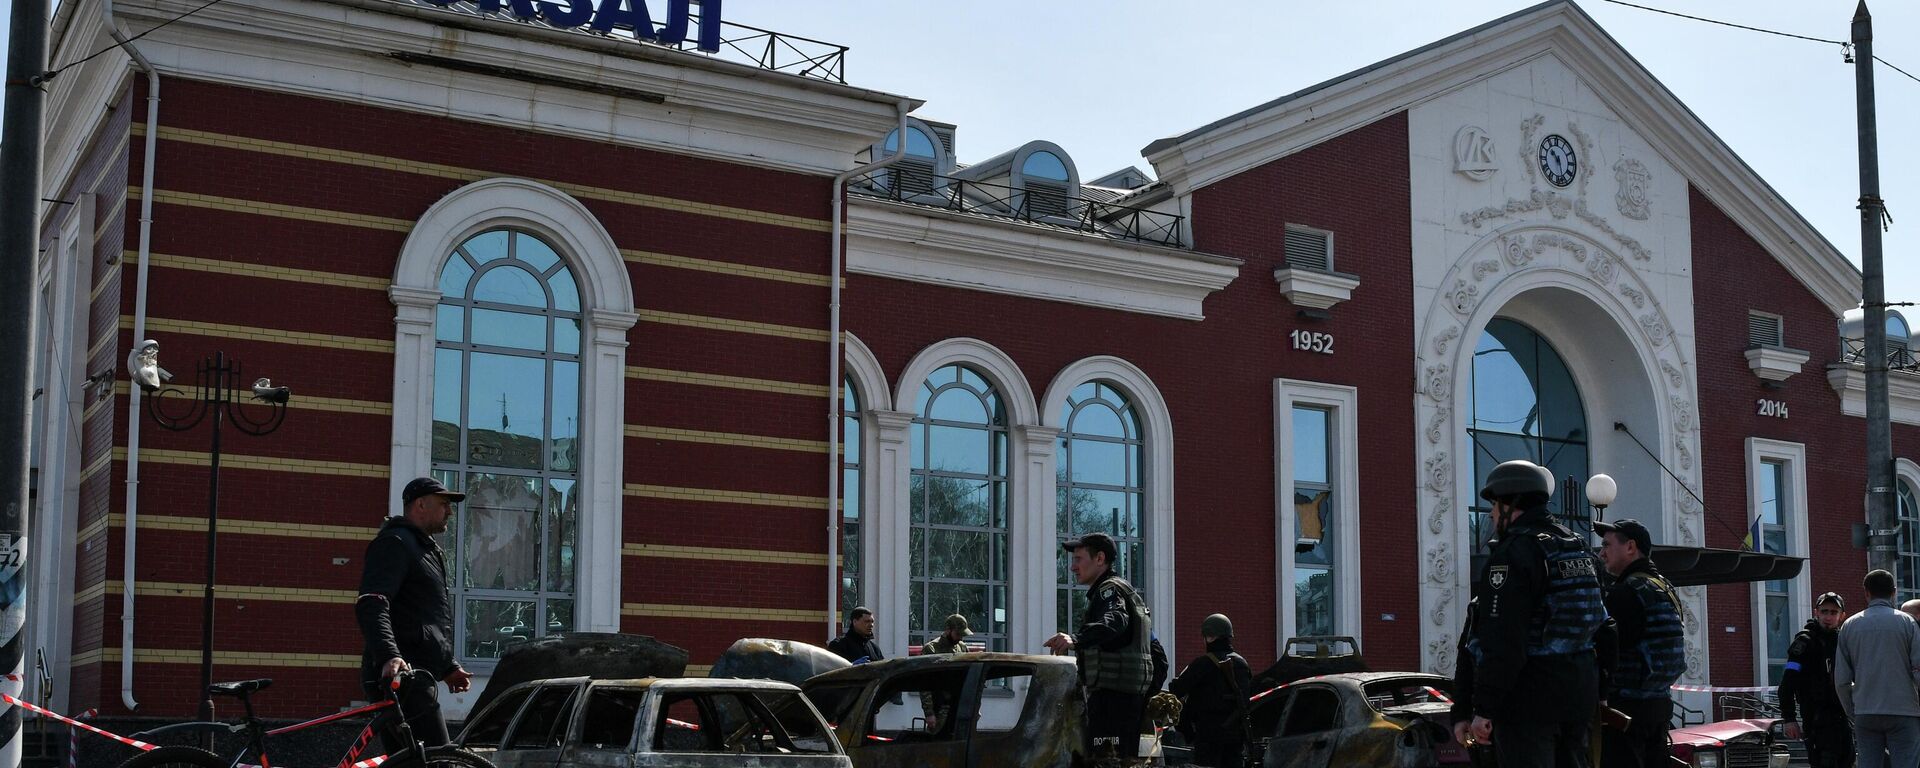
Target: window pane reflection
pixel 1100 484
pixel 957 537
pixel 1526 406
pixel 502 532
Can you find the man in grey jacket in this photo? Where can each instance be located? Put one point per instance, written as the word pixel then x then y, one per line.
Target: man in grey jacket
pixel 1876 672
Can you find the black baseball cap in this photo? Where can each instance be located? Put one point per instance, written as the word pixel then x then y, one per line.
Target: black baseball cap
pixel 427 486
pixel 1831 597
pixel 1094 542
pixel 1631 530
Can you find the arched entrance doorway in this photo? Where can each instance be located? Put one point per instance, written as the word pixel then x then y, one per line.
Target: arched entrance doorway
pixel 1525 405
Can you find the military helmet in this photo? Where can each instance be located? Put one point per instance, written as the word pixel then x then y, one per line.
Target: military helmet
pixel 1517 478
pixel 1217 625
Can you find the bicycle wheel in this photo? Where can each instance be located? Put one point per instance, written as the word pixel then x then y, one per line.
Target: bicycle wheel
pixel 446 756
pixel 175 757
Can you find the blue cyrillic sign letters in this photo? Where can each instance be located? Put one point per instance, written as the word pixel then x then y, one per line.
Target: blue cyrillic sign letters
pixel 630 15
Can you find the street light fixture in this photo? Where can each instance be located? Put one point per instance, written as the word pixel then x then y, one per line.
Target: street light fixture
pixel 1601 491
pixel 216 387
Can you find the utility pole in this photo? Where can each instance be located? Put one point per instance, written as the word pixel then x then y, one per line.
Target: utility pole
pixel 1881 513
pixel 19 246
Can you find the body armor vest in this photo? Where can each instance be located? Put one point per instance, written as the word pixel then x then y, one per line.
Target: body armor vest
pixel 1648 671
pixel 1127 669
pixel 1573 610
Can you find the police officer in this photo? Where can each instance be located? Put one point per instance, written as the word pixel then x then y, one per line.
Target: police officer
pixel 1116 667
pixel 1808 702
pixel 1652 644
pixel 1215 689
pixel 1536 683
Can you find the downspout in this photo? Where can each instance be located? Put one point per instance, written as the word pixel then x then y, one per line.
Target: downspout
pixel 838 249
pixel 127 572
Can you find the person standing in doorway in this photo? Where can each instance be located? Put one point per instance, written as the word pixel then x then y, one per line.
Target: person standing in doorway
pixel 1214 693
pixel 857 645
pixel 1876 673
pixel 1808 704
pixel 405 612
pixel 1652 647
pixel 1536 679
pixel 1113 646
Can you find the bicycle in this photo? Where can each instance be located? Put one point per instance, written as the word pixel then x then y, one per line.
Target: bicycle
pixel 446 756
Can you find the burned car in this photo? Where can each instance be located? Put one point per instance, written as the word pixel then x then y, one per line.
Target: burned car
pixel 1396 719
pixel 649 722
pixel 967 709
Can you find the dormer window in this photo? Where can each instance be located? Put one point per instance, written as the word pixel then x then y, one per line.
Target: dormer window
pixel 914 174
pixel 1045 183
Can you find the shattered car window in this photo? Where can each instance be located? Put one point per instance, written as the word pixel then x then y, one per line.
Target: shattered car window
pixel 790 710
pixel 918 707
pixel 1001 714
pixel 1384 694
pixel 682 726
pixel 485 731
pixel 836 702
pixel 544 725
pixel 746 729
pixel 611 713
pixel 1314 710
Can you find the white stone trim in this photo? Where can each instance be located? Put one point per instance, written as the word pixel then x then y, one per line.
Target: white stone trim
pixel 1849 380
pixel 1313 289
pixel 860 365
pixel 1904 469
pixel 341 50
pixel 1343 457
pixel 68 269
pixel 1156 426
pixel 1561 30
pixel 920 244
pixel 607 307
pixel 81 101
pixel 1776 363
pixel 1799 593
pixel 887 527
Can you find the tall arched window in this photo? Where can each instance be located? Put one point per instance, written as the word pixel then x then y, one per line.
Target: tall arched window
pixel 1908 569
pixel 957 539
pixel 1099 488
pixel 505 430
pixel 1525 406
pixel 850 466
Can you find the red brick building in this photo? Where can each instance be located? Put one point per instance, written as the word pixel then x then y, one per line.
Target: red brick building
pixel 591 280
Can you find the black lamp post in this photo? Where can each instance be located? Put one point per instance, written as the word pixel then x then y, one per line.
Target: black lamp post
pixel 217 382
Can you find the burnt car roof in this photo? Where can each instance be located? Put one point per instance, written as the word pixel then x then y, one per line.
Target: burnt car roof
pixel 668 683
pixel 871 670
pixel 1371 677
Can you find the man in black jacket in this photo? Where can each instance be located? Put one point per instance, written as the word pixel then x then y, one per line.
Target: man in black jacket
pixel 857 645
pixel 1214 689
pixel 1536 679
pixel 1113 646
pixel 406 613
pixel 1808 702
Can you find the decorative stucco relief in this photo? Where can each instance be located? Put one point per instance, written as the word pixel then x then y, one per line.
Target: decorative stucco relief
pixel 1634 295
pixel 1633 198
pixel 1586 150
pixel 1473 153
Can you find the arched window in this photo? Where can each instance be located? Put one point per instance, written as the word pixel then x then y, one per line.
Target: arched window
pixel 917 173
pixel 1099 487
pixel 1908 568
pixel 506 419
pixel 957 539
pixel 850 466
pixel 1048 185
pixel 1044 166
pixel 1525 406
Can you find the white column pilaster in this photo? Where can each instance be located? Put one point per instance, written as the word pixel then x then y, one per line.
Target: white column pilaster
pixel 603 406
pixel 885 537
pixel 1031 539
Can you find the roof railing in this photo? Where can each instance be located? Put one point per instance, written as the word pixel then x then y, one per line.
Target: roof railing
pixel 1037 206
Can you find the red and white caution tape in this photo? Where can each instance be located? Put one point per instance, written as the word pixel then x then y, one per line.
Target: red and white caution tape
pixel 1725 689
pixel 73 740
pixel 77 724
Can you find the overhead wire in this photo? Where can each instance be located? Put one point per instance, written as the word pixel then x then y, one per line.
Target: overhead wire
pixel 43 77
pixel 1845 46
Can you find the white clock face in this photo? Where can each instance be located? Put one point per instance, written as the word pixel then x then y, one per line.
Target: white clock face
pixel 1557 160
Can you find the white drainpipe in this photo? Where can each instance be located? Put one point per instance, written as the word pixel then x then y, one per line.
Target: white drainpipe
pixel 838 249
pixel 127 572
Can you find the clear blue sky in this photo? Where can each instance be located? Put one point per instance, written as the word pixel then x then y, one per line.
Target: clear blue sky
pixel 1104 78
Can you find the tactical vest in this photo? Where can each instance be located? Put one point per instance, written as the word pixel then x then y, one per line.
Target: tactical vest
pixel 1573 609
pixel 1648 671
pixel 1127 669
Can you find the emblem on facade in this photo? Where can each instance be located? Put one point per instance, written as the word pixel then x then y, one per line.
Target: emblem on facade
pixel 1632 197
pixel 1473 153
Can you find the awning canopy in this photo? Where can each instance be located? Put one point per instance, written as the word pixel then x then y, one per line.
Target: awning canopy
pixel 1695 566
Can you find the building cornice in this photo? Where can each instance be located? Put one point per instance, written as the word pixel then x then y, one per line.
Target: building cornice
pixel 574 84
pixel 1559 30
pixel 908 242
pixel 1903 392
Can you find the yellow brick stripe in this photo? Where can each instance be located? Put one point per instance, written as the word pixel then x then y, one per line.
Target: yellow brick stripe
pixel 99 465
pixel 735 326
pixel 96 591
pixel 264 271
pixel 100 287
pixel 729 382
pixel 100 345
pixel 724 497
pixel 95 528
pixel 239 205
pixel 458 173
pixel 108 218
pixel 223 658
pixel 725 268
pixel 251 333
pixel 724 554
pixel 237 592
pixel 307 402
pixel 265 463
pixel 95 409
pixel 251 527
pixel 699 670
pixel 726 438
pixel 667 611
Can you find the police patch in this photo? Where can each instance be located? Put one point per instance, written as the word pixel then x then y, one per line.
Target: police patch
pixel 1497 576
pixel 1575 567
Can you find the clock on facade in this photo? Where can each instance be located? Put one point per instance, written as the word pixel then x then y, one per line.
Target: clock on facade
pixel 1557 160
